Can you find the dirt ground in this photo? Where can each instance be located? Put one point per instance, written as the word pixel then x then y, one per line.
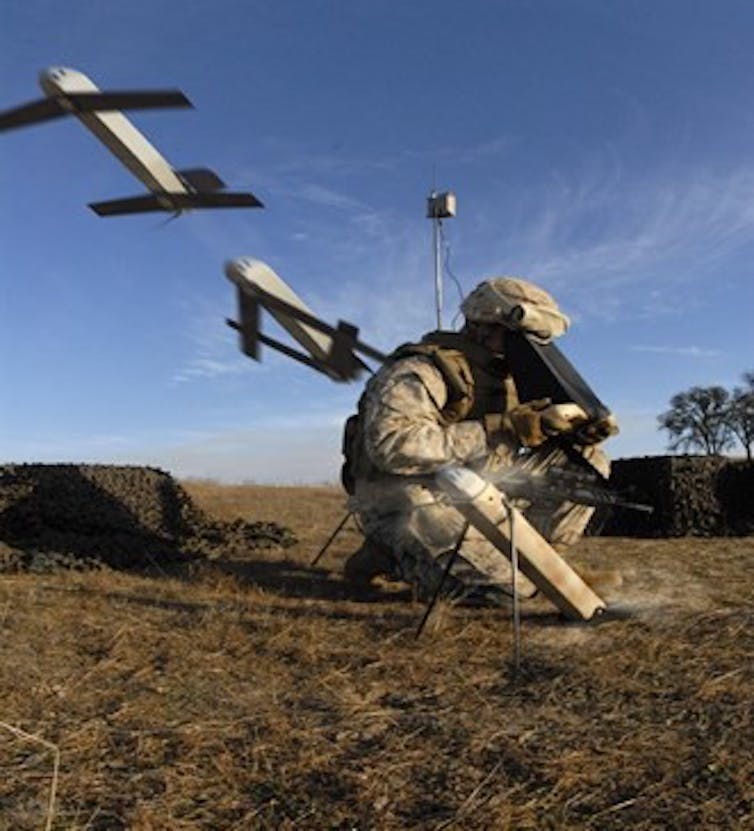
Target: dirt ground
pixel 256 692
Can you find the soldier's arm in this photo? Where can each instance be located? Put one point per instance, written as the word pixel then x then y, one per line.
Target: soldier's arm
pixel 404 431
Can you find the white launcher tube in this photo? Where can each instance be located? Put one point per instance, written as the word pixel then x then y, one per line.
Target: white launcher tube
pixel 485 507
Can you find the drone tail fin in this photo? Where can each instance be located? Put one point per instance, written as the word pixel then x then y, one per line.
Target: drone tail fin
pixel 201 179
pixel 174 203
pixel 133 205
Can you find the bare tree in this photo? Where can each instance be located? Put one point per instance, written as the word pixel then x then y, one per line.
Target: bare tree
pixel 698 419
pixel 741 413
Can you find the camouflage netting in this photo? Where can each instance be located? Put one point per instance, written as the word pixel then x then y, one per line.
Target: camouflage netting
pixel 124 517
pixel 693 495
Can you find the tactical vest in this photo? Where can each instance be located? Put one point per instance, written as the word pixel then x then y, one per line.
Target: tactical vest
pixel 477 383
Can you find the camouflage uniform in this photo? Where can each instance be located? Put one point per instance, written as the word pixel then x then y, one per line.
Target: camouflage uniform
pixel 427 409
pixel 407 440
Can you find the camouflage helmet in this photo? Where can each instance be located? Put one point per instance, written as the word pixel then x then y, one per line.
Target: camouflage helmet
pixel 516 304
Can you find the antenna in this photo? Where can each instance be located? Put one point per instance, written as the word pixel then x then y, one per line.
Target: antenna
pixel 439 206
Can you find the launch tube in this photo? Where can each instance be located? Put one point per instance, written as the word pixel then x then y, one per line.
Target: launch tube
pixel 489 511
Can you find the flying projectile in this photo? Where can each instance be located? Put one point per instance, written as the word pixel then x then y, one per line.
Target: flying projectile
pixel 68 91
pixel 331 350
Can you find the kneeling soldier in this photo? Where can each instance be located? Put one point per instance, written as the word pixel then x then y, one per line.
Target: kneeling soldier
pixel 451 399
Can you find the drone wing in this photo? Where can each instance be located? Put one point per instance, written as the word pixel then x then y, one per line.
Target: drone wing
pixel 46 109
pixel 88 102
pixel 43 109
pixel 174 203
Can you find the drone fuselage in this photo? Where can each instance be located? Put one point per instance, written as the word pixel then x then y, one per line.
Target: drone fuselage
pixel 116 132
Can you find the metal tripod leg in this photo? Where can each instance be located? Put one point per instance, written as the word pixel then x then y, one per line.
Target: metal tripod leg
pixel 331 539
pixel 514 589
pixel 441 583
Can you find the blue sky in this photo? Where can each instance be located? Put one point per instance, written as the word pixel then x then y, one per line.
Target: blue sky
pixel 602 149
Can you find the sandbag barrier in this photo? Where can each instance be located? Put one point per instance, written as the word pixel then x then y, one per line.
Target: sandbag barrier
pixel 693 496
pixel 121 516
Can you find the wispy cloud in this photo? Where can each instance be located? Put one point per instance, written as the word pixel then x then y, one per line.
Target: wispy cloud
pixel 320 195
pixel 202 367
pixel 289 158
pixel 679 351
pixel 211 346
pixel 482 151
pixel 607 245
pixel 293 159
pixel 598 237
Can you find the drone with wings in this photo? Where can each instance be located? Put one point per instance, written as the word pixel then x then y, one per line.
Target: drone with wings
pixel 70 92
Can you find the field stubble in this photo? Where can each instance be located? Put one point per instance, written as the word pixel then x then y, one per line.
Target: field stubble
pixel 257 692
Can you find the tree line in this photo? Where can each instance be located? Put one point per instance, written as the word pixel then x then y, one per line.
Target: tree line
pixel 711 420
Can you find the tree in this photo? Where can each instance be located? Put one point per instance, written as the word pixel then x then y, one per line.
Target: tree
pixel 741 413
pixel 698 419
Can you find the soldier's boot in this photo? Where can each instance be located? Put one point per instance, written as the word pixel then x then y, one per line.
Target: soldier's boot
pixel 370 561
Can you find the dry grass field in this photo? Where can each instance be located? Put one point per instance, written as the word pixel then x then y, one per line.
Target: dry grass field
pixel 259 693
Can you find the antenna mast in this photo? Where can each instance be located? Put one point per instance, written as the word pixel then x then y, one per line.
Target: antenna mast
pixel 439 206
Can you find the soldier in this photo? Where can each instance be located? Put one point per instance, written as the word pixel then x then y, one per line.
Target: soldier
pixel 451 399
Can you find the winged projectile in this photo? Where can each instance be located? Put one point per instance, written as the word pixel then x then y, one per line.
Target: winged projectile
pixel 331 350
pixel 70 92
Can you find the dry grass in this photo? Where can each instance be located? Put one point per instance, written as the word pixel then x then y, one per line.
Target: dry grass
pixel 263 694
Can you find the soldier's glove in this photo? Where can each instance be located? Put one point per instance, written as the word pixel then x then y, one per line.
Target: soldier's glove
pixel 537 421
pixel 497 427
pixel 594 432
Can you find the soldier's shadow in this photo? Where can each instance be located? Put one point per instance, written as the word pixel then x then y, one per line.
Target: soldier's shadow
pixel 298 580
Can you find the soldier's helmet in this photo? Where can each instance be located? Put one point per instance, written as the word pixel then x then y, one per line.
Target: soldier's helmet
pixel 516 304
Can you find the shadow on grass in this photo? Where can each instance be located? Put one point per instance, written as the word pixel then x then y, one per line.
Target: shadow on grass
pixel 384 622
pixel 296 580
pixel 322 595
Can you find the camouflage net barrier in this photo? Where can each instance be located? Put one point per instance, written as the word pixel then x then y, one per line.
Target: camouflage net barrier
pixel 78 516
pixel 693 496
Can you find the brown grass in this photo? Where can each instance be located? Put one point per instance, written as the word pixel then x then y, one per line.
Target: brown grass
pixel 261 693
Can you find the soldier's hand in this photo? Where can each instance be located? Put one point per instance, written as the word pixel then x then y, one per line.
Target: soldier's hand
pixel 526 422
pixel 497 427
pixel 536 421
pixel 594 432
pixel 562 418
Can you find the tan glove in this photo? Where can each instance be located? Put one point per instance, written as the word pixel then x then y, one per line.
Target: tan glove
pixel 536 421
pixel 495 426
pixel 598 431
